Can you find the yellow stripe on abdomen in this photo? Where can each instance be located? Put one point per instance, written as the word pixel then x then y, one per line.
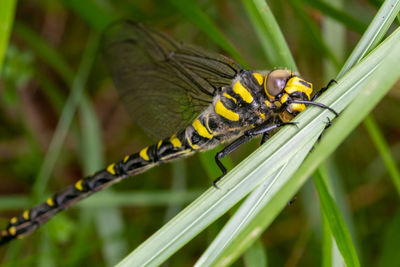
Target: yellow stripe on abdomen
pixel 239 89
pixel 220 109
pixel 175 141
pixel 143 154
pixel 201 130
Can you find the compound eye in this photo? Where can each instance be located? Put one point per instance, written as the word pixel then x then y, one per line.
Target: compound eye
pixel 276 81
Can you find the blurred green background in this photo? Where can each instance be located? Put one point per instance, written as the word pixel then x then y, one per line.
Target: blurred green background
pixel 53 78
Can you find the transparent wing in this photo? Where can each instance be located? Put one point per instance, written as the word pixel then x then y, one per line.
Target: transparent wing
pixel 164 84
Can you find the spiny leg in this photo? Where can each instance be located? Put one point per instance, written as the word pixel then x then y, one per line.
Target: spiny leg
pixel 262 129
pixel 226 151
pixel 328 124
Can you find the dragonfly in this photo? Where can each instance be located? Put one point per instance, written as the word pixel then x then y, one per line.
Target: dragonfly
pixel 189 99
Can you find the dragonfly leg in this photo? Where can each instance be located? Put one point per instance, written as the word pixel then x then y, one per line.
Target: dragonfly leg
pixel 262 129
pixel 226 151
pixel 328 124
pixel 323 89
pixel 264 138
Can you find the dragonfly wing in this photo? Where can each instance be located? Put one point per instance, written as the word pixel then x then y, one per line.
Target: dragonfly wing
pixel 164 84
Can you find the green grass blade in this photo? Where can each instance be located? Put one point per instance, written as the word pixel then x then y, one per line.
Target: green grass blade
pixel 196 15
pixel 44 51
pixel 179 171
pixel 313 31
pixel 113 199
pixel 108 220
pixel 13 202
pixel 66 117
pixel 326 147
pixel 91 142
pixel 336 223
pixel 255 256
pixel 354 114
pixel 94 14
pixel 269 34
pixel 334 35
pixel 373 35
pixel 380 143
pixel 262 164
pixel 390 248
pixel 223 249
pixel 346 19
pixel 7 10
pixel 327 244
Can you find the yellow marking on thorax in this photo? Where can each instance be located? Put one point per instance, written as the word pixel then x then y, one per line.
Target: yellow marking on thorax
pixel 175 141
pixel 12 230
pixel 268 104
pixel 25 215
pixel 298 107
pixel 230 97
pixel 262 115
pixel 224 112
pixel 13 220
pixel 194 146
pixel 284 98
pixel 50 202
pixel 239 89
pixel 143 154
pixel 296 84
pixel 110 168
pixel 159 144
pixel 277 104
pixel 259 78
pixel 78 185
pixel 126 158
pixel 201 130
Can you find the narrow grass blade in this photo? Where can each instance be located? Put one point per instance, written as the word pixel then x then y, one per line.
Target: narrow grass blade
pixel 334 34
pixel 7 9
pixel 44 51
pixel 66 117
pixel 327 243
pixel 196 15
pixel 269 34
pixel 94 14
pixel 260 165
pixel 373 35
pixel 108 220
pixel 390 247
pixel 178 185
pixel 216 254
pixel 313 31
pixel 255 256
pixel 378 86
pixel 336 223
pixel 346 19
pixel 384 151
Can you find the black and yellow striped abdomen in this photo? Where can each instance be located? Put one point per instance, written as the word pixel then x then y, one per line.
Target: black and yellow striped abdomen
pixel 181 144
pixel 234 110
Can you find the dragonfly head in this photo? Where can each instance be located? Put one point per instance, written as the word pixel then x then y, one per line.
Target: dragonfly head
pixel 284 88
